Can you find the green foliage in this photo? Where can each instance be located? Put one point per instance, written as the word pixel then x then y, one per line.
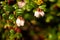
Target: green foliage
pixel 49 24
pixel 19 12
pixel 11 16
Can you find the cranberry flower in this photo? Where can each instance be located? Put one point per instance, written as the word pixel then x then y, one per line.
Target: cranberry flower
pixel 20 21
pixel 39 13
pixel 21 4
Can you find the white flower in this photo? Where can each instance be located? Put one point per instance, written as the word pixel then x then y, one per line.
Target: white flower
pixel 39 13
pixel 21 4
pixel 20 22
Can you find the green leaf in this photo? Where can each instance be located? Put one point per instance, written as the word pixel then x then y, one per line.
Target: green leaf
pixel 43 7
pixel 12 31
pixel 28 7
pixel 49 18
pixel 15 6
pixel 32 4
pixel 8 8
pixel 18 35
pixel 4 16
pixel 19 12
pixel 11 16
pixel 11 37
